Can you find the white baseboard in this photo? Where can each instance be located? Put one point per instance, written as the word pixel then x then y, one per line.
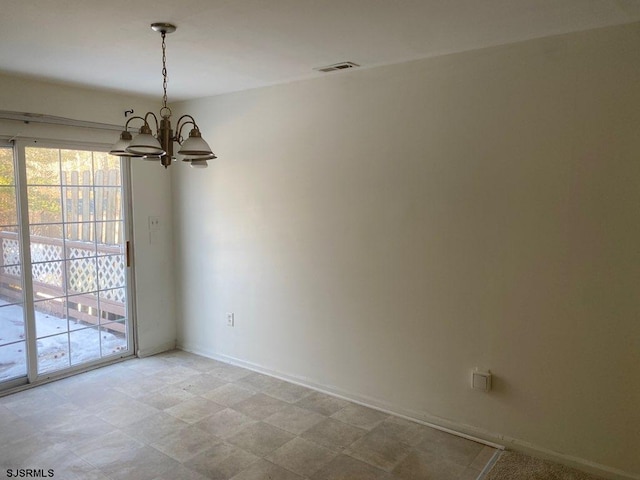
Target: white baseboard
pixel 433 422
pixel 165 347
pixel 470 432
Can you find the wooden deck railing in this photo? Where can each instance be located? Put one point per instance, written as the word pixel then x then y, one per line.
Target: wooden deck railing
pixel 67 291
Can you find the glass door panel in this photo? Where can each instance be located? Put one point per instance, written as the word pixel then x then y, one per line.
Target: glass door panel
pixel 78 256
pixel 13 349
pixel 62 212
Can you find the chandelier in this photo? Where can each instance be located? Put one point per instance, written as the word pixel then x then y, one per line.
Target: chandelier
pixel 160 147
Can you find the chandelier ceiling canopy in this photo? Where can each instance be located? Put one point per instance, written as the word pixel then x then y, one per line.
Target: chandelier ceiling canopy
pixel 159 147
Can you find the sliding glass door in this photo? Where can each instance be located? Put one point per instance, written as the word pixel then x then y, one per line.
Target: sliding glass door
pixel 74 309
pixel 13 333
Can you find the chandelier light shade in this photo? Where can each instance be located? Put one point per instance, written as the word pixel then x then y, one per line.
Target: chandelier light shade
pixel 145 144
pixel 195 145
pixel 120 148
pixel 199 163
pixel 148 146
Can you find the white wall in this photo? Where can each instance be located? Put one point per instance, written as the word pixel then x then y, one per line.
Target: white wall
pixel 150 184
pixel 379 233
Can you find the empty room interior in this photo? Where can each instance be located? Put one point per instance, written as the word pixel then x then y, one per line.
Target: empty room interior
pixel 320 240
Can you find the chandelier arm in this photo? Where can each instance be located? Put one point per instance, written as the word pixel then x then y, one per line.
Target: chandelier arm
pixel 192 122
pixel 154 117
pixel 187 116
pixel 179 127
pixel 126 125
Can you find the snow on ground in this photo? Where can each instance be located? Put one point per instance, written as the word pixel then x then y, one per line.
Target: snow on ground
pixel 66 343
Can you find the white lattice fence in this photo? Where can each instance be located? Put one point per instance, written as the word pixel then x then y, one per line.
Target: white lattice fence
pixel 11 256
pixel 111 274
pixel 85 272
pixel 44 268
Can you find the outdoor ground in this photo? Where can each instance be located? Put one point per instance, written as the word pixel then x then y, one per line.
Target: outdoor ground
pixel 66 342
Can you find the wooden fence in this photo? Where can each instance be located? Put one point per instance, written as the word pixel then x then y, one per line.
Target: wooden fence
pixel 91 208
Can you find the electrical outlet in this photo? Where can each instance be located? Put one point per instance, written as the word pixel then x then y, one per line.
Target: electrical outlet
pixel 230 320
pixel 154 223
pixel 481 380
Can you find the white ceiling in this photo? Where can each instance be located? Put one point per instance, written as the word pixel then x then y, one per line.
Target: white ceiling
pixel 228 45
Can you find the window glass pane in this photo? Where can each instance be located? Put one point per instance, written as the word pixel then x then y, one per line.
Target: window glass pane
pixel 79 206
pixel 53 353
pixel 85 345
pixel 13 361
pixel 111 270
pixel 78 248
pixel 45 205
pixel 11 323
pixel 9 246
pixel 110 236
pixel 107 169
pixel 48 280
pixel 51 317
pixel 77 167
pixel 113 305
pixel 43 166
pixel 46 243
pixel 113 338
pixel 108 203
pixel 83 311
pixel 82 232
pixel 10 285
pixel 48 230
pixel 8 207
pixel 86 231
pixel 82 276
pixel 6 166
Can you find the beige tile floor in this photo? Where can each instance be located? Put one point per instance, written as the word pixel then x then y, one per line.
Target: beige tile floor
pixel 180 416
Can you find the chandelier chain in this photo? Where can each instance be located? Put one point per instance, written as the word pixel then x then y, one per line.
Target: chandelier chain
pixel 164 70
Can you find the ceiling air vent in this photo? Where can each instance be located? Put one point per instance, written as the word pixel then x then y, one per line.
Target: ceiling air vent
pixel 337 66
